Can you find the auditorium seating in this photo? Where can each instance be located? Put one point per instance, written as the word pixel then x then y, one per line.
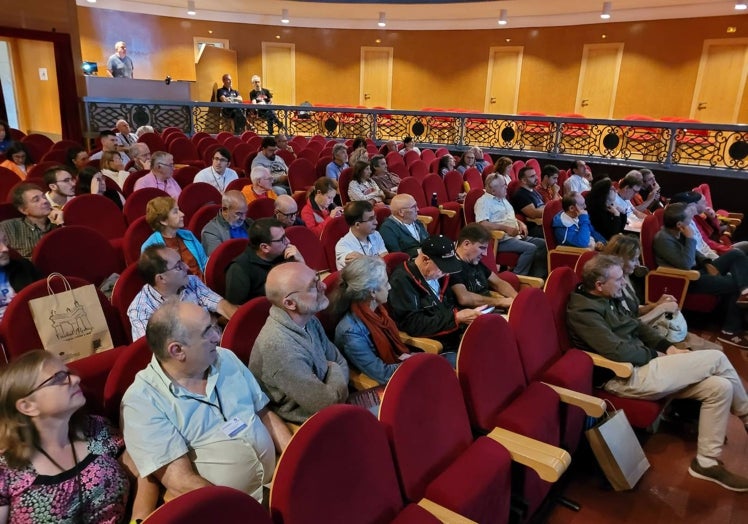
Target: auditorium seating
pixel 310 247
pixel 131 359
pixel 219 261
pixel 136 203
pixel 558 255
pixel 136 234
pixel 196 195
pixel 218 503
pixel 127 287
pixel 242 329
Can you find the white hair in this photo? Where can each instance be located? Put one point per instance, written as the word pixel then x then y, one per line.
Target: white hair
pixel 257 173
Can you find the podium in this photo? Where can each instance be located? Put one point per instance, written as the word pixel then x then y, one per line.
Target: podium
pixel 135 88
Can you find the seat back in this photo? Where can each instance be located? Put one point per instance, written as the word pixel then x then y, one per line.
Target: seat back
pixel 93 371
pixel 427 155
pixel 98 213
pixel 201 217
pixel 219 260
pixel 310 247
pixel 183 150
pixel 468 205
pixel 130 360
pixel 245 324
pixel 136 203
pixel 433 183
pixel 394 157
pixel 153 141
pixel 185 175
pixel 127 287
pixel 217 503
pixel 333 231
pixel 128 187
pixel 8 180
pixel 37 145
pixel 196 195
pixel 650 227
pixel 454 184
pixel 559 285
pixel 412 186
pixel 410 157
pixel 473 178
pixel 419 169
pixel 261 208
pixel 301 174
pixel 344 180
pixel 550 210
pixel 136 234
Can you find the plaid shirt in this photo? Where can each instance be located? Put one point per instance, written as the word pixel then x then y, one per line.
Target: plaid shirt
pixel 23 235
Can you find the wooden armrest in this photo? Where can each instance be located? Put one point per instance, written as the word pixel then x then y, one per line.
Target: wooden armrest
pixel 549 462
pixel 497 234
pixel 730 220
pixel 621 369
pixel 447 212
pixel 361 381
pixel 531 281
pixel 425 219
pixel 536 221
pixel 738 216
pixel 688 274
pixel 466 187
pixel 428 345
pixel 570 249
pixel 443 514
pixel 592 406
pixel 293 428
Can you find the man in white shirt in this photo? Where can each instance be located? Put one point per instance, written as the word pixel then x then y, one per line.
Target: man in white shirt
pixel 579 180
pixel 494 212
pixel 362 239
pixel 628 186
pixel 125 138
pixel 109 143
pixel 219 174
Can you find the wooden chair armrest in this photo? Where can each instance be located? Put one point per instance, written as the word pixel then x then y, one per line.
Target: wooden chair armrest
pixel 428 345
pixel 536 221
pixel 466 186
pixel 447 212
pixel 293 428
pixel 733 221
pixel 549 462
pixel 592 406
pixel 361 381
pixel 425 219
pixel 570 249
pixel 443 514
pixel 621 369
pixel 688 274
pixel 497 234
pixel 536 282
pixel 735 215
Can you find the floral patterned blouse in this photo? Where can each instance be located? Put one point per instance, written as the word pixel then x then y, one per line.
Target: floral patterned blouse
pixel 42 499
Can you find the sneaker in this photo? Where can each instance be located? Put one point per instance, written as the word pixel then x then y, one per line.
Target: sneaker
pixel 735 339
pixel 719 475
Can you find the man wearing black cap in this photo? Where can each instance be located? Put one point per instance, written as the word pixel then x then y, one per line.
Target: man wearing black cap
pixel 712 243
pixel 421 301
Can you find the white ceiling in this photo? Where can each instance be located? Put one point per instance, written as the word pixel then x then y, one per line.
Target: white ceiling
pixel 472 15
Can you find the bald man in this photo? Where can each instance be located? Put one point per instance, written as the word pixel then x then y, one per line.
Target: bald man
pixel 297 366
pixel 402 231
pixel 287 211
pixel 125 137
pixel 231 222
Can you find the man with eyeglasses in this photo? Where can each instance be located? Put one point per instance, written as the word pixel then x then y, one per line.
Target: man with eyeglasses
pixel 230 222
pixel 362 238
pixel 166 277
pixel 286 211
pixel 402 231
pixel 61 186
pixel 261 186
pixel 268 247
pixel 160 177
pixel 293 360
pixel 141 157
pixel 195 416
pixel 219 174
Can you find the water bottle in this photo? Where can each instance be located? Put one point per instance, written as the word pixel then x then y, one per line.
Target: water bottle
pixel 434 200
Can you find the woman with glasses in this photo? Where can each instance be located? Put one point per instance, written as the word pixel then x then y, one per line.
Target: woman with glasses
pixel 59 465
pixel 18 159
pixel 466 161
pixel 167 222
pixel 113 167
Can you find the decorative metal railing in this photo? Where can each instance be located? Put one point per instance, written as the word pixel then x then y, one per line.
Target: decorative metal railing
pixel 688 147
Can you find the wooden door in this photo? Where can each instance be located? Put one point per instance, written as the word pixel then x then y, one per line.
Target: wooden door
pixel 502 84
pixel 598 80
pixel 720 82
pixel 376 77
pixel 279 71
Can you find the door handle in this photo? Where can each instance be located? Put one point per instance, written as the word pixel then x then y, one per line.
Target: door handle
pixel 367 96
pixel 702 105
pixel 585 102
pixel 493 99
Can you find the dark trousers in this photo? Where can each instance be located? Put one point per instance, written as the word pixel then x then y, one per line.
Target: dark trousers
pixel 733 278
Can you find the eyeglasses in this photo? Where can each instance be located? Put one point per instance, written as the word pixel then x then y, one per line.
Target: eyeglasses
pixel 373 218
pixel 61 378
pixel 179 265
pixel 220 159
pixel 170 166
pixel 281 239
pixel 287 215
pixel 315 285
pixel 65 180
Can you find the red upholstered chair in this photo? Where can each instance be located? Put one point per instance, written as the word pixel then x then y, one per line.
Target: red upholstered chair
pixel 310 247
pixel 55 155
pixel 128 285
pixel 583 259
pixel 18 330
pixel 320 165
pixel 100 214
pixel 560 284
pixel 497 395
pixel 261 208
pixel 64 145
pixel 427 155
pixel 153 141
pixel 450 211
pixel 394 157
pixel 344 180
pixel 216 503
pixel 185 152
pixel 199 136
pixel 558 256
pixel 382 213
pixel 240 333
pixel 441 152
pixel 37 145
pixel 219 260
pixel 223 136
pixel 137 233
pixel 301 174
pixel 185 175
pixel 543 359
pixel 400 170
pixel 468 206
pixel 454 183
pixel 319 475
pixel 238 184
pixel 201 217
pixel 77 251
pixel 8 180
pixel 308 154
pixel 418 169
pixel 413 187
pixel 130 360
pixel 473 178
pixel 196 195
pixel 129 186
pixel 37 170
pixel 287 156
pixel 410 157
pixel 8 210
pixel 333 231
pixel 93 371
pixel 435 454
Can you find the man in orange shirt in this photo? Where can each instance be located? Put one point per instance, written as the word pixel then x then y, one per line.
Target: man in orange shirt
pixel 262 185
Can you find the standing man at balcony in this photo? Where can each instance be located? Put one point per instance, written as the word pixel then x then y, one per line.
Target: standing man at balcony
pixel 119 64
pixel 258 95
pixel 227 94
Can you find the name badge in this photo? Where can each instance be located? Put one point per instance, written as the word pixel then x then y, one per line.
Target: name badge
pixel 233 427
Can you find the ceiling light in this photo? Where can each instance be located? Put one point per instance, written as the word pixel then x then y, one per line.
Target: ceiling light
pixel 284 17
pixel 191 8
pixel 739 6
pixel 502 17
pixel 94 1
pixel 382 22
pixel 606 10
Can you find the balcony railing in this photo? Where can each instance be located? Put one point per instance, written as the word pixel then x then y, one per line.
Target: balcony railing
pixel 689 147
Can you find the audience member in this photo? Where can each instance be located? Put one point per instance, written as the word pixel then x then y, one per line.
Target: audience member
pixel 261 186
pixel 409 145
pixel 281 141
pixel 218 175
pixel 388 147
pixel 109 142
pixel 160 177
pixel 262 96
pixel 274 163
pixel 446 164
pixel 167 222
pixel 230 222
pixel 167 277
pixel 359 154
pixel 339 161
pixel 628 186
pixel 366 334
pixel 141 157
pixel 119 65
pixel 286 211
pixel 362 238
pixel 548 187
pixel 228 95
pixel 647 200
pixel 61 186
pixel 268 247
pixel 598 321
pixel 727 276
pixel 143 130
pixel 605 216
pixel 421 301
pixel 495 213
pixel 297 366
pixel 125 138
pixel 503 167
pixel 572 227
pixel 15 274
pixel 528 202
pixel 39 218
pixel 195 416
pixel 77 159
pixel 91 181
pixel 319 208
pixel 17 159
pixel 467 160
pixel 5 139
pixel 402 231
pixel 112 166
pixel 710 242
pixel 480 161
pixel 579 179
pixel 476 285
pixel 387 182
pixel 362 187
